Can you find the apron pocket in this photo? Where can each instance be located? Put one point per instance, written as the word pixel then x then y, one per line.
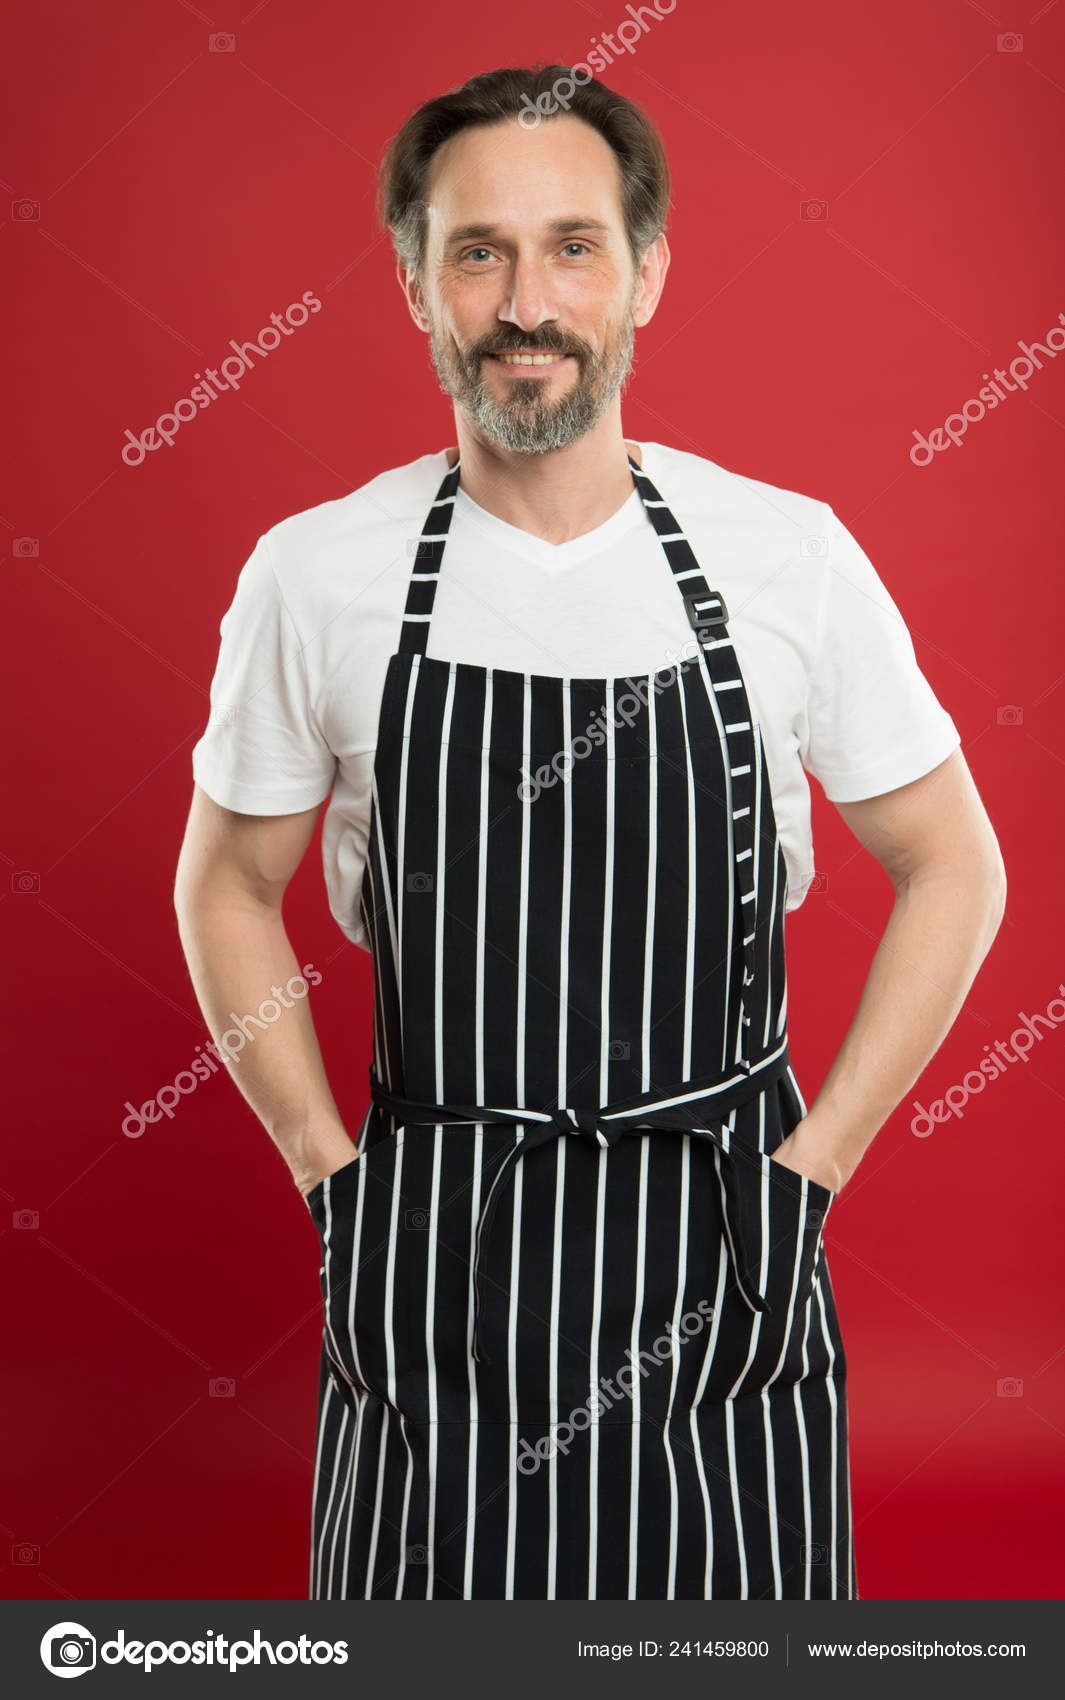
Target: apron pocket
pixel 808 1202
pixel 777 1218
pixel 365 1289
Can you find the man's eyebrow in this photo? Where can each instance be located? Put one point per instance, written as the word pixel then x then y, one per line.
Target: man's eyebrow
pixel 487 232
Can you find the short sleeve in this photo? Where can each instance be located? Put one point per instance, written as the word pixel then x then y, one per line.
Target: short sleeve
pixel 873 721
pixel 262 752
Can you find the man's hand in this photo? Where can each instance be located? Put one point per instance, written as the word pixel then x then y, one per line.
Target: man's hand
pixel 802 1152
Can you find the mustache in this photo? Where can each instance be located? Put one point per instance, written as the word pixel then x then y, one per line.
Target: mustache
pixel 538 343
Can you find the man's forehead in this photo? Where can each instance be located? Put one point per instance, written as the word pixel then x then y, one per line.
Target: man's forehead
pixel 576 173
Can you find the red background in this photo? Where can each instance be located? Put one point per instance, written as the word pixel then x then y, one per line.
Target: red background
pixel 184 195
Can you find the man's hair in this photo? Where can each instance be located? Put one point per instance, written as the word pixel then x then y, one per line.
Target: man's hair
pixel 497 96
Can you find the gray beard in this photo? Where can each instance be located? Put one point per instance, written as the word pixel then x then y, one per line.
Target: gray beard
pixel 525 423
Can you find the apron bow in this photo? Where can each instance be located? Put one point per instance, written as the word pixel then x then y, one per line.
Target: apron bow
pixel 684 1114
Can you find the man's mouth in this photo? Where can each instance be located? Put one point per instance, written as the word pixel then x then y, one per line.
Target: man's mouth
pixel 532 357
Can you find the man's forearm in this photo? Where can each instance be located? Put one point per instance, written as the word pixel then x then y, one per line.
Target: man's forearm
pixel 940 929
pixel 239 956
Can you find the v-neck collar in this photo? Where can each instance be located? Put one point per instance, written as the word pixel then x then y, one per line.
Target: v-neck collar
pixel 551 557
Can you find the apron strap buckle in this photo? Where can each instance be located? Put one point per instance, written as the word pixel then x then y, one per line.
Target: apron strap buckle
pixel 705 608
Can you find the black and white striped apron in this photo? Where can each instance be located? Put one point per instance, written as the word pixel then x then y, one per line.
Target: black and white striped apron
pixel 579 1337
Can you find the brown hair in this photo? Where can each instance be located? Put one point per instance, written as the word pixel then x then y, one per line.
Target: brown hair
pixel 496 96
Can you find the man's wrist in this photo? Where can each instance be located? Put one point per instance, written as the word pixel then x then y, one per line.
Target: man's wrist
pixel 830 1147
pixel 320 1155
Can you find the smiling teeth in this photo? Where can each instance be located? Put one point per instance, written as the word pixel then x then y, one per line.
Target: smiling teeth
pixel 529 359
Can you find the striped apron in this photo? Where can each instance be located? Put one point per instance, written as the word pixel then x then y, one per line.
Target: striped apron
pixel 579 1336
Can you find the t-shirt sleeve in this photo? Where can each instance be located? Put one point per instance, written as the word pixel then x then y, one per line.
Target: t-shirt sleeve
pixel 873 721
pixel 262 751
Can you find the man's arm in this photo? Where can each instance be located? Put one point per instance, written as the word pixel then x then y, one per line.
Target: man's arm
pixel 231 878
pixel 938 847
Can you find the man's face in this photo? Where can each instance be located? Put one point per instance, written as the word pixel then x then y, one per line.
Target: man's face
pixel 526 252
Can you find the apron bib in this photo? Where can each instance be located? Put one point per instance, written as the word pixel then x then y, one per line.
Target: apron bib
pixel 579 1338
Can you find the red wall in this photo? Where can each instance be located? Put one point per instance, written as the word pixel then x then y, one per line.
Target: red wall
pixel 184 195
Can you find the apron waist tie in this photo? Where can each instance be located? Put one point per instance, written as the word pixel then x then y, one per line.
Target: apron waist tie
pixel 703 1102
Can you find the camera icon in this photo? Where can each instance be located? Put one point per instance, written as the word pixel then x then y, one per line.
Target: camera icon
pixel 819 882
pixel 25 1218
pixel 68 1649
pixel 417 1555
pixel 419 547
pixel 814 1219
pixel 25 548
pixel 222 42
pixel 816 1555
pixel 24 211
pixel 222 1387
pixel 419 882
pixel 26 883
pixel 1010 1387
pixel 416 1219
pixel 1010 43
pixel 223 714
pixel 817 210
pixel 24 1553
pixel 1009 715
pixel 618 1050
pixel 813 546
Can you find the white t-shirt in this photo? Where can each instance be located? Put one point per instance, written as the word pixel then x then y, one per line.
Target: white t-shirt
pixel 828 663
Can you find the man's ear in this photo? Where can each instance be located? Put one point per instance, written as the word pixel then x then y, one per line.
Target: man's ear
pixel 411 288
pixel 652 280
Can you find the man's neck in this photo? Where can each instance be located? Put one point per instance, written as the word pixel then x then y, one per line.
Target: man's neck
pixel 556 496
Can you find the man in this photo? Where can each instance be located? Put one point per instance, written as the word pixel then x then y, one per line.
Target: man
pixel 579 1335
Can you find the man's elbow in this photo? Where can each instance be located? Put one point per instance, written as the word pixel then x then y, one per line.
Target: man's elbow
pixel 968 874
pixel 997 895
pixel 990 889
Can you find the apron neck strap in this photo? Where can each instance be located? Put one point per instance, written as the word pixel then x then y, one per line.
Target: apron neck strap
pixel 706 608
pixel 425 574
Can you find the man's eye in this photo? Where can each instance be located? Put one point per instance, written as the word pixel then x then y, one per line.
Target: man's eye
pixel 473 253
